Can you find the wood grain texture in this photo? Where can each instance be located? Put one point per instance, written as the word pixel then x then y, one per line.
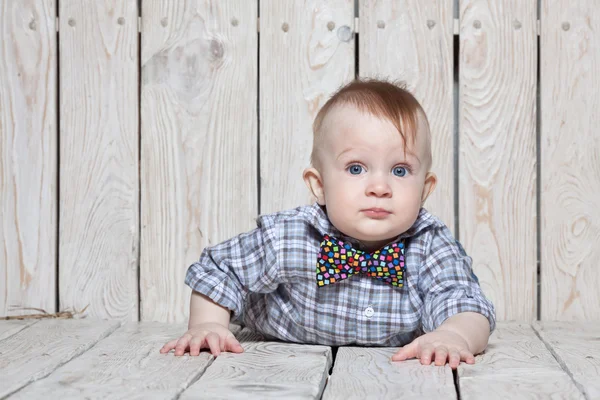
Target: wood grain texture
pixel 533 386
pixel 497 164
pixel 265 370
pixel 516 364
pixel 97 359
pixel 513 349
pixel 35 352
pixel 576 346
pixel 412 41
pixel 199 140
pixel 302 63
pixel 28 156
pixel 361 373
pixel 12 327
pixel 99 206
pixel 125 365
pixel 570 160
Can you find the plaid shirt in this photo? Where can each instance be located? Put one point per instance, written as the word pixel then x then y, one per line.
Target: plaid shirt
pixel 267 278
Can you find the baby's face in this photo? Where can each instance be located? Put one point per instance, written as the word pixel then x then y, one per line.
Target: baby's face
pixel 372 191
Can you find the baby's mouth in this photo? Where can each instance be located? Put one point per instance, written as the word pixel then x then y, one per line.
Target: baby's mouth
pixel 376 213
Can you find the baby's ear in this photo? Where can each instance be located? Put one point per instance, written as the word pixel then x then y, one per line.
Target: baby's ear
pixel 312 178
pixel 429 186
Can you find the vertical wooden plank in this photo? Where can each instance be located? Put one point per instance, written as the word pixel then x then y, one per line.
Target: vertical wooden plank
pixel 36 352
pixel 570 160
pixel 515 365
pixel 266 369
pixel 306 54
pixel 497 179
pixel 369 373
pixel 125 365
pixel 98 249
pixel 199 139
pixel 28 156
pixel 11 327
pixel 412 41
pixel 576 347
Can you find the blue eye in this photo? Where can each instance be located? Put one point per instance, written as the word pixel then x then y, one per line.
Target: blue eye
pixel 355 169
pixel 400 171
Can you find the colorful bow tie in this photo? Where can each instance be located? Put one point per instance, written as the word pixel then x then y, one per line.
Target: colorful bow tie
pixel 338 260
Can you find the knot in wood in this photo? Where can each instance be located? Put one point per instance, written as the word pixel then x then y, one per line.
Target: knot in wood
pixel 330 25
pixel 430 23
pixel 216 48
pixel 71 22
pixel 344 33
pixel 477 24
pixel 380 24
pixel 566 26
pixel 285 27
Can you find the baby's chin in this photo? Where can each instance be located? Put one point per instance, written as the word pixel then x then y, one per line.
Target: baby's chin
pixel 371 237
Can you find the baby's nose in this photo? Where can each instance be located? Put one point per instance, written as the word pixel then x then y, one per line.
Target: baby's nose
pixel 379 188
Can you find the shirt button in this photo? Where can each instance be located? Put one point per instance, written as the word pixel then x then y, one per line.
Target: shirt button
pixel 369 312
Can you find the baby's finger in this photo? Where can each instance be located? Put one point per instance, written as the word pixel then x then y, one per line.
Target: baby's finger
pixel 426 353
pixel 406 352
pixel 182 344
pixel 441 355
pixel 467 356
pixel 454 358
pixel 196 345
pixel 233 345
pixel 168 346
pixel 212 340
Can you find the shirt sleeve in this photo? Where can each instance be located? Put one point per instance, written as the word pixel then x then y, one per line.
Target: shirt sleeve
pixel 448 284
pixel 227 272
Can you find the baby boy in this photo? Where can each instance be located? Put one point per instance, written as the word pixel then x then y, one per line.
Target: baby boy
pixel 365 265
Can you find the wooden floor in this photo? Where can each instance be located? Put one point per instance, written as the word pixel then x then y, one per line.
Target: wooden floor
pixel 83 358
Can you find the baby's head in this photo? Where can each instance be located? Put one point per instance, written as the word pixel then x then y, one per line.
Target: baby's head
pixel 371 160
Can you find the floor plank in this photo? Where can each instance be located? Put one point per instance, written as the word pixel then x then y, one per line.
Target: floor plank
pixel 265 370
pixel 551 385
pixel 11 327
pixel 35 352
pixel 576 345
pixel 361 373
pixel 515 365
pixel 127 364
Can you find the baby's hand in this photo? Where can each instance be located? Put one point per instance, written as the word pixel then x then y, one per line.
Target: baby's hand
pixel 211 336
pixel 443 345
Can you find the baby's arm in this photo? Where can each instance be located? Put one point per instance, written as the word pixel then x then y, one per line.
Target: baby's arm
pixel 220 281
pixel 208 327
pixel 456 317
pixel 459 338
pixel 472 326
pixel 204 310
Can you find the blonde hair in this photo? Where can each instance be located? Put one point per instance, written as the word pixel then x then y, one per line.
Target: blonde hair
pixel 380 98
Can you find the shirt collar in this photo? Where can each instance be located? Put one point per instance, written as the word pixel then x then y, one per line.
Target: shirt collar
pixel 317 216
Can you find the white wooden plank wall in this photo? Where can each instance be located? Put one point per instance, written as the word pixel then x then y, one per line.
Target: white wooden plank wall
pixel 570 160
pixel 412 41
pixel 28 154
pixel 199 140
pixel 497 156
pixel 306 53
pixel 152 196
pixel 99 206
